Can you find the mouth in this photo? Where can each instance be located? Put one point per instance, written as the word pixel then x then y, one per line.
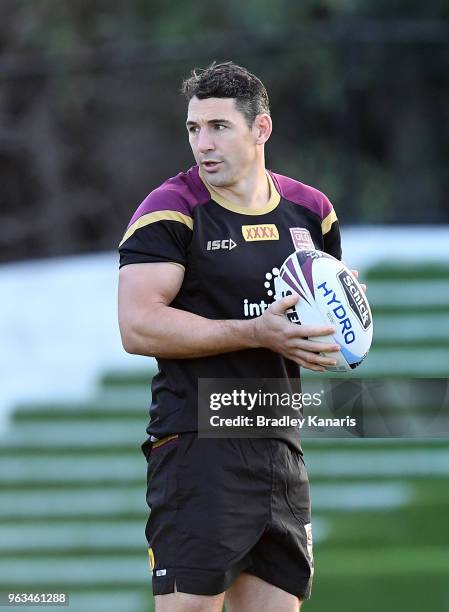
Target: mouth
pixel 210 165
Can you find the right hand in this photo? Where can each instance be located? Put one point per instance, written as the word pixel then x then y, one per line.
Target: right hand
pixel 274 331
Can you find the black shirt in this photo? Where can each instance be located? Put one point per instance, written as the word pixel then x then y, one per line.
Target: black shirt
pixel 230 256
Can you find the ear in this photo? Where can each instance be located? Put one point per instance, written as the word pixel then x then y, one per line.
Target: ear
pixel 262 127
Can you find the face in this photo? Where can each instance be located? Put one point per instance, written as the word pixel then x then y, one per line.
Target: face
pixel 223 145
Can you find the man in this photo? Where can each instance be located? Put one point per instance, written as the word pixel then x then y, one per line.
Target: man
pixel 230 518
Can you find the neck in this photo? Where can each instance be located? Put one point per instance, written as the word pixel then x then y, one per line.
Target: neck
pixel 251 192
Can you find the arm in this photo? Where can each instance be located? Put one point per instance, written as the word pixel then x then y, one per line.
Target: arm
pixel 150 326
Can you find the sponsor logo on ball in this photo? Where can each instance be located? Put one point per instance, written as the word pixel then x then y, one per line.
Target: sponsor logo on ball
pixel 356 299
pixel 339 311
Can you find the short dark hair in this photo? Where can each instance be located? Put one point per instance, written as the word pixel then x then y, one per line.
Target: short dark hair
pixel 227 80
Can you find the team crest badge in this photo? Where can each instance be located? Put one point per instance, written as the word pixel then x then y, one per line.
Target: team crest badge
pixel 301 238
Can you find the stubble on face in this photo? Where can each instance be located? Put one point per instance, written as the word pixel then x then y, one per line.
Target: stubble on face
pixel 232 147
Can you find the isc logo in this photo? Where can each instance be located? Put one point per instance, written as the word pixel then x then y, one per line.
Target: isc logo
pixel 227 244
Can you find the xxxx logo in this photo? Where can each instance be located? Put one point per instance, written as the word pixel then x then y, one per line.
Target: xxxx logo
pixel 251 233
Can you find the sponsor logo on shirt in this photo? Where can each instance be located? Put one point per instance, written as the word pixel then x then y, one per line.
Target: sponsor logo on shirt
pixel 301 238
pixel 254 309
pixel 252 233
pixel 226 245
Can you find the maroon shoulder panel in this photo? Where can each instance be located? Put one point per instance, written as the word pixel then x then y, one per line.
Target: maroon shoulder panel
pixel 300 193
pixel 181 193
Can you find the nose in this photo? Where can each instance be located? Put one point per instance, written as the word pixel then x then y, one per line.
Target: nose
pixel 205 142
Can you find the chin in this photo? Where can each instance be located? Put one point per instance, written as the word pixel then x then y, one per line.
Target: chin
pixel 217 179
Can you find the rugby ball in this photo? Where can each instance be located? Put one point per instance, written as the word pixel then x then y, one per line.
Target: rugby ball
pixel 328 294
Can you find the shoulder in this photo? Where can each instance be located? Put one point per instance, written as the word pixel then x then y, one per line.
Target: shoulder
pixel 170 205
pixel 304 195
pixel 175 199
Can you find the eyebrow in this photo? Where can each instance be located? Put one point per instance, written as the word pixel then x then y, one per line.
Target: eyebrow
pixel 211 121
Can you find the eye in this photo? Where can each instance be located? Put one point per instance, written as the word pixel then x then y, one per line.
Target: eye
pixel 220 127
pixel 193 129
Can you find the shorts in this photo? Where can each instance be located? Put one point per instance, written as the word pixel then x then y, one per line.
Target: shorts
pixel 219 507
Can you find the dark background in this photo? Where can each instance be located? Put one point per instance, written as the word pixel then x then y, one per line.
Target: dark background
pixel 91 119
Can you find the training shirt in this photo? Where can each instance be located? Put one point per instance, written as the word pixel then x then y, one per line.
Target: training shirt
pixel 231 256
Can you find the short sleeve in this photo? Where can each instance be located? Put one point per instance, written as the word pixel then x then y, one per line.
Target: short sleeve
pixel 331 230
pixel 159 231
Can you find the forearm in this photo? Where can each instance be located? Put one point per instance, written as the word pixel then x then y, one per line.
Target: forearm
pixel 171 333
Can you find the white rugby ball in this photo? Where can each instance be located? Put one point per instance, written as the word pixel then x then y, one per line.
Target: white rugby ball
pixel 328 294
